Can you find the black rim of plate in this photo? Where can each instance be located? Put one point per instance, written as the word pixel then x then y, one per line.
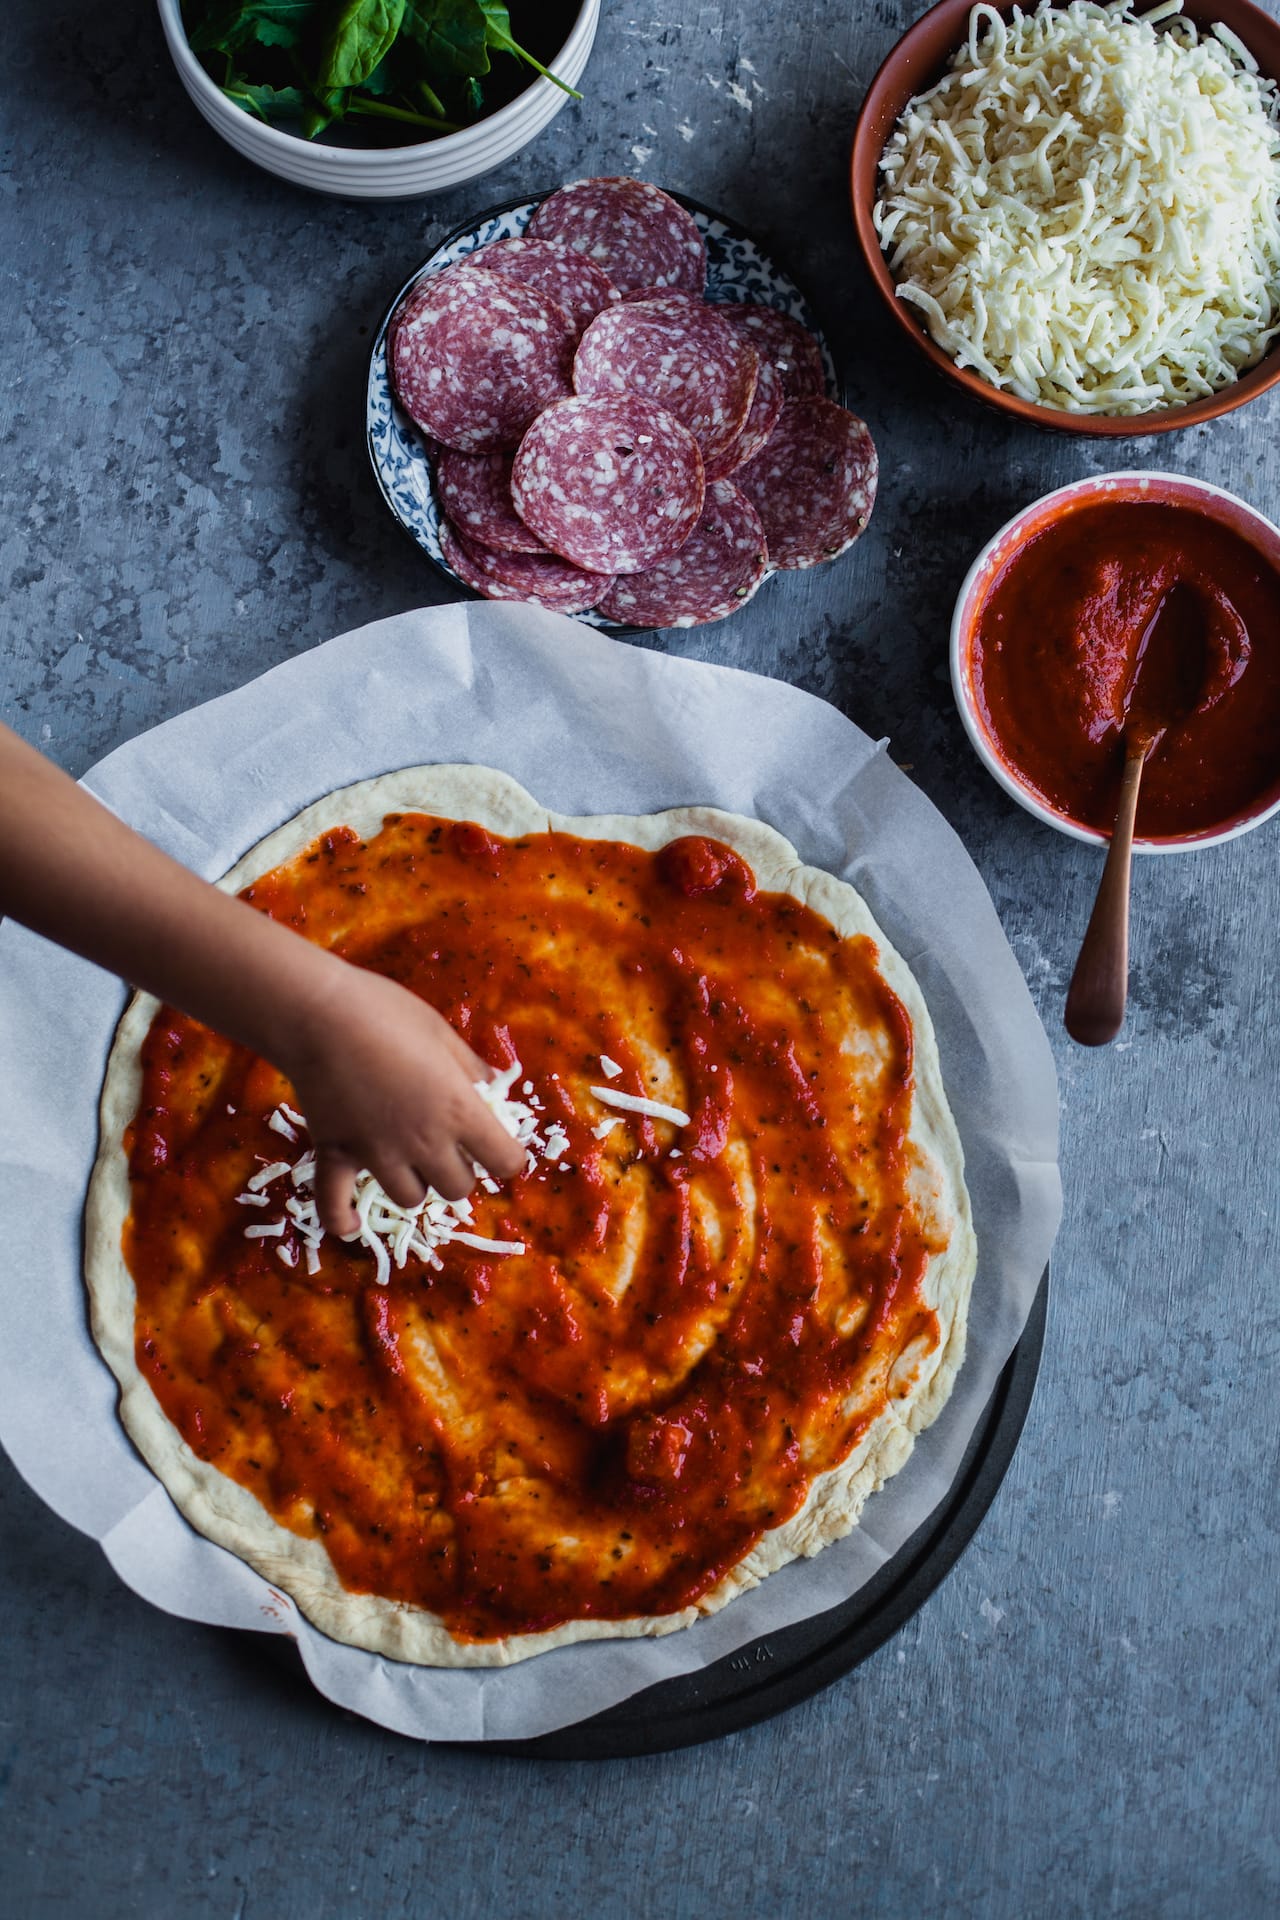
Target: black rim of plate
pixel 768 1676
pixel 464 227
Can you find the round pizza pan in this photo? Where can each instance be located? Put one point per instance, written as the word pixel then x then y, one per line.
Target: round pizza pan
pixel 768 1676
pixel 773 1674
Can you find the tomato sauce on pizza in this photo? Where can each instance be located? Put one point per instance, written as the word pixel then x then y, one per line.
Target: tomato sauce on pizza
pixel 706 1316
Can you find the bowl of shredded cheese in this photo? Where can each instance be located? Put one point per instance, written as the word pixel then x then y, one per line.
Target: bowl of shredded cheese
pixel 1074 211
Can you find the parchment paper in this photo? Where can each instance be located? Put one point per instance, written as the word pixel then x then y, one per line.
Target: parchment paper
pixel 589 725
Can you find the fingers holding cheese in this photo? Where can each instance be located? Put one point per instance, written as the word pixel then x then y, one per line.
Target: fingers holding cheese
pixel 385 1083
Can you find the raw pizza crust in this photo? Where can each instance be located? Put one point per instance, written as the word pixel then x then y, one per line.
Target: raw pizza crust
pixel 229 1514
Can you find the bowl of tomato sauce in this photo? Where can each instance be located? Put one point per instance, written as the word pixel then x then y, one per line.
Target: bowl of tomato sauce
pixel 1048 638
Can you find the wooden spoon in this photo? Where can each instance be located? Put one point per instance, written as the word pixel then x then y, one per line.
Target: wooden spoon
pixel 1164 688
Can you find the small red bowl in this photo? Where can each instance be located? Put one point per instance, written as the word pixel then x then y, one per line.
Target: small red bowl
pixel 919 59
pixel 1166 489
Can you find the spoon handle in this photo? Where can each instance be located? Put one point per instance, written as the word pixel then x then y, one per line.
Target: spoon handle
pixel 1100 984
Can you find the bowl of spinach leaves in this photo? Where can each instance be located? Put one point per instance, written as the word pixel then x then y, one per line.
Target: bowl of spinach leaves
pixel 379 99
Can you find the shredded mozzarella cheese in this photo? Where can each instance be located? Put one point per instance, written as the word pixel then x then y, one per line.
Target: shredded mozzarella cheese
pixel 1086 211
pixel 265 1175
pixel 393 1233
pixel 640 1103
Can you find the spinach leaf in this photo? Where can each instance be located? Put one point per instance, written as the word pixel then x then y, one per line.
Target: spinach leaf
pixel 266 103
pixel 314 62
pixel 452 35
pixel 323 110
pixel 382 80
pixel 357 42
pixel 497 19
pixel 397 81
pixel 226 26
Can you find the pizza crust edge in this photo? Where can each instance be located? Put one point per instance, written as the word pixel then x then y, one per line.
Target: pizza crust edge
pixel 230 1515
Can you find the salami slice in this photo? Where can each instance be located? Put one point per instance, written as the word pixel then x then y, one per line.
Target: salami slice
pixel 670 297
pixel 814 484
pixel 680 356
pixel 475 492
pixel 541 579
pixel 766 406
pixel 569 278
pixel 714 573
pixel 777 337
pixel 475 357
pixel 769 395
pixel 637 233
pixel 612 482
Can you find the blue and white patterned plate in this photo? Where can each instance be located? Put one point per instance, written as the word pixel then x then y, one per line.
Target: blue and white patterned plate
pixel 737 269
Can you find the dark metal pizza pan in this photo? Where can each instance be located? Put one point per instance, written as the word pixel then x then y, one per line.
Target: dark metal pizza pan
pixel 770 1675
pixel 773 1674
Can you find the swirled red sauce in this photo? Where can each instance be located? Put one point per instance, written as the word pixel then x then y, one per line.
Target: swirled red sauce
pixel 706 1317
pixel 1057 641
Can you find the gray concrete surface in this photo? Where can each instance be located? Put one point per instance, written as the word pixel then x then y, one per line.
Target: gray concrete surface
pixel 1082 1720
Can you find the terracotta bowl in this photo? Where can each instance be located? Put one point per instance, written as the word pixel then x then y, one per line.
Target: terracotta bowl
pixel 1168 489
pixel 919 59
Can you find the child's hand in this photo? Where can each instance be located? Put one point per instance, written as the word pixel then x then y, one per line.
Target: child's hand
pixel 385 1083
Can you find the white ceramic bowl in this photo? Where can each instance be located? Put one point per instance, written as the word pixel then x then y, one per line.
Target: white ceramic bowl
pixel 1167 488
pixel 385 173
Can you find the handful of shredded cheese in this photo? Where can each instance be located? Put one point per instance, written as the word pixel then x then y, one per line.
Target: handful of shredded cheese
pixel 392 1233
pixel 1087 211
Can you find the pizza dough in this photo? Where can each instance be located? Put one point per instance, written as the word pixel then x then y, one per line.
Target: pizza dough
pixel 918 1382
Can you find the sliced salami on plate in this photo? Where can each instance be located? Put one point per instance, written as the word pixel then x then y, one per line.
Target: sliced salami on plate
pixel 475 492
pixel 475 357
pixel 682 357
pixel 610 481
pixel 543 580
pixel 569 278
pixel 770 391
pixel 555 395
pixel 671 297
pixel 766 407
pixel 778 338
pixel 637 233
pixel 714 573
pixel 814 484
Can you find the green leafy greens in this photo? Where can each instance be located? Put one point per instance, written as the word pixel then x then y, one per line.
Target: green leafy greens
pixel 308 64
